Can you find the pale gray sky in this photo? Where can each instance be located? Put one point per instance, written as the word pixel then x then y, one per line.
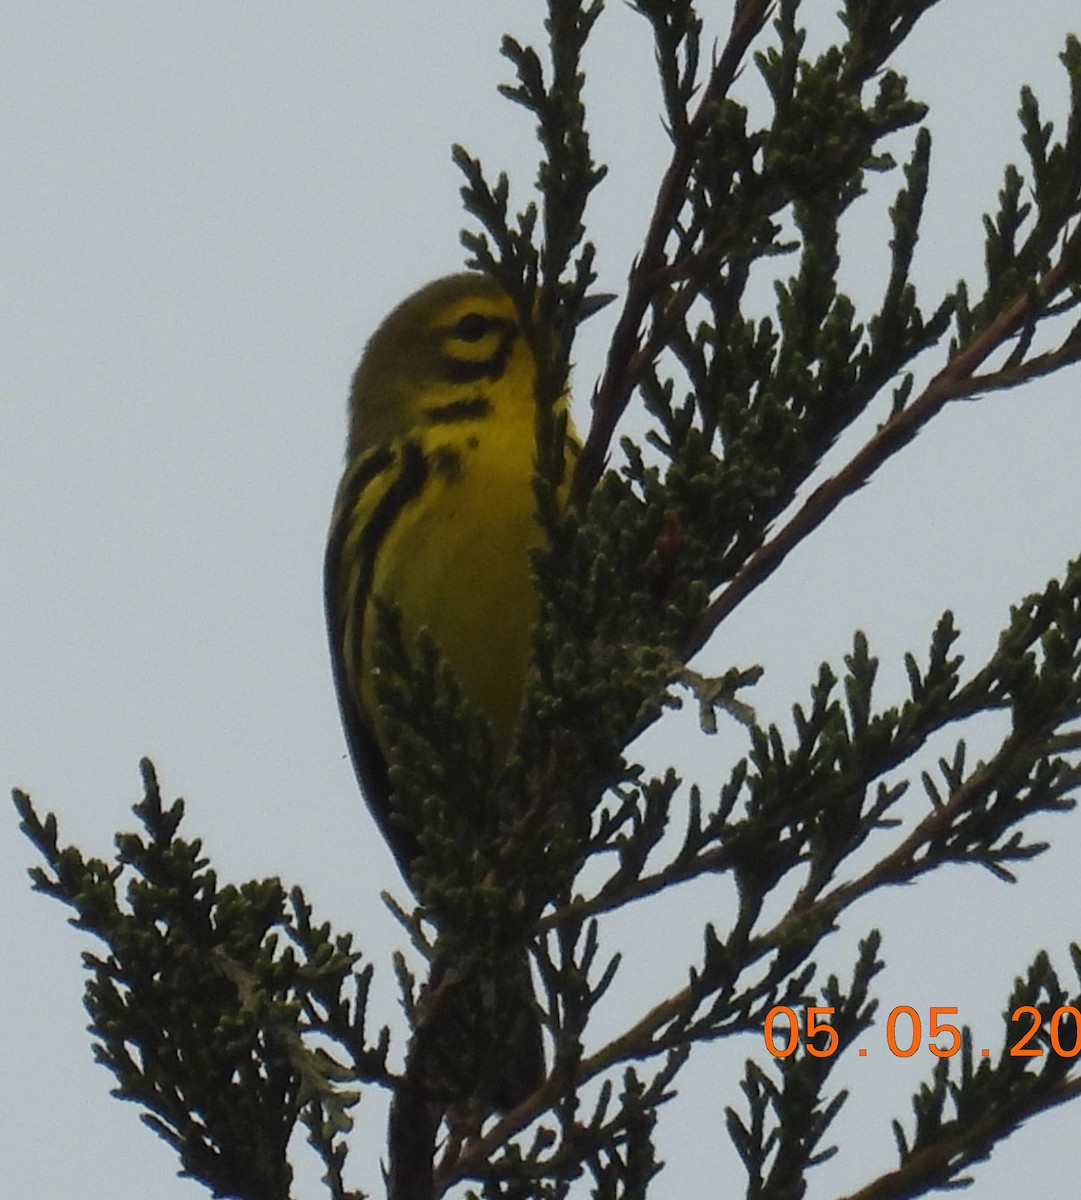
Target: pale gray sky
pixel 207 210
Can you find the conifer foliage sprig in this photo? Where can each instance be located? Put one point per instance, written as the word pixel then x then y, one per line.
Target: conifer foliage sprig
pixel 206 1002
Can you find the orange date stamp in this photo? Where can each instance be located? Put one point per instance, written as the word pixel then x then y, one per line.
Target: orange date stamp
pixel 1064 1032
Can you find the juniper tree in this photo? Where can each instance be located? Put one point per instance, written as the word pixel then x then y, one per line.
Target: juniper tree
pixel 232 1014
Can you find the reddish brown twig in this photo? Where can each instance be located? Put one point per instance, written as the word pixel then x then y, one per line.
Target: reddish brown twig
pixel 626 356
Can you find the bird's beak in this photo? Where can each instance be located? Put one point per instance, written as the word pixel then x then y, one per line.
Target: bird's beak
pixel 593 304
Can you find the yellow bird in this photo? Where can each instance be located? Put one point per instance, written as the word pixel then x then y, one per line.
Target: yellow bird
pixel 435 514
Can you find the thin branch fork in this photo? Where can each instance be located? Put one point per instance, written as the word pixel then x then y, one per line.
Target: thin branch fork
pixel 468 1161
pixel 957 378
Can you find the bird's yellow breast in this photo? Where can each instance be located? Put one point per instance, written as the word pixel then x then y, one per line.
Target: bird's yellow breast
pixel 455 557
pixel 456 562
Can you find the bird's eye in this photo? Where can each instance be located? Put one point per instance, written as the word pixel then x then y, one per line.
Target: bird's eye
pixel 473 326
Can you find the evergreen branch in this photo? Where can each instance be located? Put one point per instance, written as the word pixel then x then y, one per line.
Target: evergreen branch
pixel 626 357
pixel 931 837
pixel 1028 774
pixel 201 1014
pixel 813 800
pixel 957 379
pixel 939 1164
pixel 780 1142
pixel 990 1101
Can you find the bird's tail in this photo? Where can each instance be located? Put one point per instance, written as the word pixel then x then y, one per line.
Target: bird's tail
pixel 484 1045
